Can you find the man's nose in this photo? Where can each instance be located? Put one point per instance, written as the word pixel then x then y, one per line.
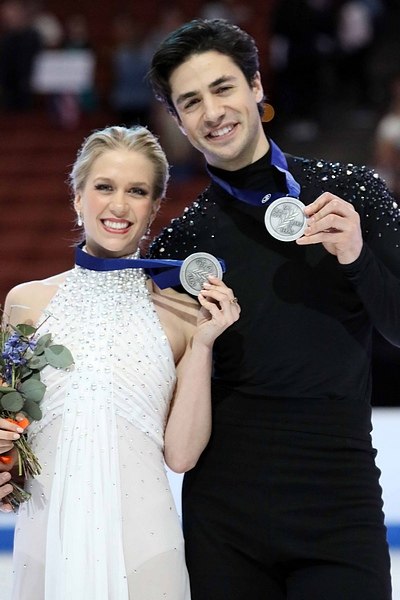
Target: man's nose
pixel 213 110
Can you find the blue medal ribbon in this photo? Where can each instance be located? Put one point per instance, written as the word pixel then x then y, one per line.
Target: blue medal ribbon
pixel 164 272
pixel 259 198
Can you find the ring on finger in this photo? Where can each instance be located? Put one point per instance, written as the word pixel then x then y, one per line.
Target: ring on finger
pixel 233 300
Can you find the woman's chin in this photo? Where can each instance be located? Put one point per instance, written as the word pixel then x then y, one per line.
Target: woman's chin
pixel 112 250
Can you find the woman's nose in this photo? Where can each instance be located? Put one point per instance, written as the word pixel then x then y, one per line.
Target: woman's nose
pixel 118 203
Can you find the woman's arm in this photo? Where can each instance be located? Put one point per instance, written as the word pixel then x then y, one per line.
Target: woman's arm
pixel 189 423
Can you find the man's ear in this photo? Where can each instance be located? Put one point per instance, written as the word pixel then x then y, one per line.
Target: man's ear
pixel 257 87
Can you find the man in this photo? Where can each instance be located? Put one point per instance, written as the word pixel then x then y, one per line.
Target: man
pixel 285 501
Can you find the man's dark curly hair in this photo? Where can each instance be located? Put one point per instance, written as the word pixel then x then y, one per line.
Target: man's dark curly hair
pixel 196 37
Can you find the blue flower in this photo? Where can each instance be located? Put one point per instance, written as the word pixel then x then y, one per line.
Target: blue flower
pixel 14 350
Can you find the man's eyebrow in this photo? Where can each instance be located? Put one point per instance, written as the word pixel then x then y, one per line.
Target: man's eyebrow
pixel 182 97
pixel 223 79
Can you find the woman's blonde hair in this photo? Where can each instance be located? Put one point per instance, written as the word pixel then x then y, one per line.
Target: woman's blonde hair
pixel 137 138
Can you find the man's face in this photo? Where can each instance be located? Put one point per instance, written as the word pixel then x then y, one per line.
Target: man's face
pixel 217 110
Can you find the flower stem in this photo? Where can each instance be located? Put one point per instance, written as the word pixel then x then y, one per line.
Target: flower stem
pixel 17 496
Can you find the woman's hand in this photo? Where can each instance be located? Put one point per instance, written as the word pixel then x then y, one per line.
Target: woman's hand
pixel 5 489
pixel 219 309
pixel 9 433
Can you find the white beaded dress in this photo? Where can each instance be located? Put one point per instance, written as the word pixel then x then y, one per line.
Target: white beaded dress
pixel 101 523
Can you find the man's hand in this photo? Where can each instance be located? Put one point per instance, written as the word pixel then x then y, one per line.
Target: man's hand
pixel 335 224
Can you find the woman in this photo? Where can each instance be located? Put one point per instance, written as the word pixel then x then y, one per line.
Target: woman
pixel 101 522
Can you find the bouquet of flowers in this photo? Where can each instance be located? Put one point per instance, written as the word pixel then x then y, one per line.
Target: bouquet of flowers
pixel 22 356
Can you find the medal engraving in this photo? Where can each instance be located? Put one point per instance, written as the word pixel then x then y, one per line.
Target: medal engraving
pixel 285 219
pixel 195 270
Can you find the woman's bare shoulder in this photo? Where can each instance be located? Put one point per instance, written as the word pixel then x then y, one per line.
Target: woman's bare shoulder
pixel 26 302
pixel 179 305
pixel 178 316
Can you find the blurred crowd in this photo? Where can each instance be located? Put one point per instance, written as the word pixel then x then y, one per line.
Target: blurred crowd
pixel 331 58
pixel 326 63
pixel 323 57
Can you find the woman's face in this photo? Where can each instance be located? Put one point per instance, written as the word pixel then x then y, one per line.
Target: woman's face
pixel 116 202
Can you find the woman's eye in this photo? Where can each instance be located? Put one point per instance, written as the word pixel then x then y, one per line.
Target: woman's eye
pixel 102 187
pixel 137 191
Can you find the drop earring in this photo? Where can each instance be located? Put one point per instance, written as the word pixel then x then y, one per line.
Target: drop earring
pixel 148 231
pixel 79 220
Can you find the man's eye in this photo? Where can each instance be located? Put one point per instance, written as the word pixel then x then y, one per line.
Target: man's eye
pixel 225 88
pixel 191 103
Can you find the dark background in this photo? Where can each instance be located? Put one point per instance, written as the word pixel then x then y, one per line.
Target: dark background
pixel 327 104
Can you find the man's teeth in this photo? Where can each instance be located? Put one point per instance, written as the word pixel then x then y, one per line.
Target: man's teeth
pixel 219 132
pixel 116 224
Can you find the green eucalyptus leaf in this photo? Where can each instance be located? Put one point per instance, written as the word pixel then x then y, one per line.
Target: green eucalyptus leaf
pixel 58 356
pixel 35 375
pixel 14 328
pixel 32 409
pixel 7 390
pixel 37 362
pixel 32 389
pixel 25 330
pixel 12 402
pixel 25 372
pixel 42 343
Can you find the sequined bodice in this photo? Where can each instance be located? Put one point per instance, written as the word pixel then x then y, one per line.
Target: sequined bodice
pixel 123 360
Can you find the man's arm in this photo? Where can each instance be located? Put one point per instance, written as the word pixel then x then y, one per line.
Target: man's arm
pixel 364 235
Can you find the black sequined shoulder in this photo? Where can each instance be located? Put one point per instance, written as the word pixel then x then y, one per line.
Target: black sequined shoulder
pixel 359 185
pixel 179 238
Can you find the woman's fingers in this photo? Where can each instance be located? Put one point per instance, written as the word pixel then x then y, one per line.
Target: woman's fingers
pixel 218 289
pixel 9 433
pixel 10 425
pixel 5 489
pixel 8 460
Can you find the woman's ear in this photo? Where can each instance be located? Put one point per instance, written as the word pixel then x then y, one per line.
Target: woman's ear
pixel 78 210
pixel 154 210
pixel 78 203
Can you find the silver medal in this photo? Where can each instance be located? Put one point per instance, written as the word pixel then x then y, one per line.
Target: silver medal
pixel 285 219
pixel 195 270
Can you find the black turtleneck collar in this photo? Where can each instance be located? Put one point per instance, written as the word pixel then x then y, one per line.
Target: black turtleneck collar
pixel 259 175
